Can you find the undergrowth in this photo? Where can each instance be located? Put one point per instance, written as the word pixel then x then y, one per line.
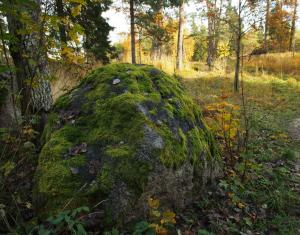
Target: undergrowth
pixel 259 193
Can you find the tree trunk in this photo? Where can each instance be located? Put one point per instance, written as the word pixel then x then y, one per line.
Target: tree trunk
pixel 140 46
pixel 293 27
pixel 29 57
pixel 217 24
pixel 9 114
pixel 210 46
pixel 213 27
pixel 237 65
pixel 157 41
pixel 267 25
pixel 156 50
pixel 9 110
pixel 132 31
pixel 238 50
pixel 179 58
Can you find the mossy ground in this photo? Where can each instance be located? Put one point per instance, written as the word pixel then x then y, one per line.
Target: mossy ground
pixel 109 121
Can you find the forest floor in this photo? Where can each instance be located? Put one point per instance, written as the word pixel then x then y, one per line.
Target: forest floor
pixel 294 132
pixel 260 191
pixel 295 129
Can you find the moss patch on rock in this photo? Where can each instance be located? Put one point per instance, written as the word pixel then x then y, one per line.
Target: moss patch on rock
pixel 110 137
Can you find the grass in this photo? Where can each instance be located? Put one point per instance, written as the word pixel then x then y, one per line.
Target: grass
pixel 283 64
pixel 266 200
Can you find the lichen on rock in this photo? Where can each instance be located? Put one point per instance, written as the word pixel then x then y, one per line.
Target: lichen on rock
pixel 124 134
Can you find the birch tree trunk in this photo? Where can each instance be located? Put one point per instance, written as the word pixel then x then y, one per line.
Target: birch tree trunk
pixel 29 56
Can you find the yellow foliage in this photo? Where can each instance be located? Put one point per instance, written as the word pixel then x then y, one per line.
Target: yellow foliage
pixel 223 50
pixel 159 230
pixel 160 219
pixel 75 11
pixel 153 203
pixel 70 54
pixel 28 132
pixel 75 1
pixel 168 217
pixel 241 205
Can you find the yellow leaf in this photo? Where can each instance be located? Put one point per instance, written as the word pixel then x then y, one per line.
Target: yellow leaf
pixel 226 127
pixel 76 10
pixel 155 213
pixel 240 205
pixel 227 117
pixel 76 1
pixel 168 217
pixel 153 203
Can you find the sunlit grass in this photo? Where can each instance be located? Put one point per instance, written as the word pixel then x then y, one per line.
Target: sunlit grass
pixel 266 90
pixel 280 63
pixel 271 103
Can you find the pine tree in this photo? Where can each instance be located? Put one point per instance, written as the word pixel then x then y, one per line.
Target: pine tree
pixel 96 29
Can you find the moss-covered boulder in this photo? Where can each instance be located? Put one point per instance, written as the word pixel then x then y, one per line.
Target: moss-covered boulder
pixel 125 134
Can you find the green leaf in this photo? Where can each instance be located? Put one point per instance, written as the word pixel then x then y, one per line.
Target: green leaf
pixel 141 227
pixel 43 231
pixel 4 68
pixel 79 210
pixel 80 230
pixel 204 232
pixel 58 220
pixel 113 232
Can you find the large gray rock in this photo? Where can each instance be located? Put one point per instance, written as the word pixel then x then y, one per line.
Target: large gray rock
pixel 116 144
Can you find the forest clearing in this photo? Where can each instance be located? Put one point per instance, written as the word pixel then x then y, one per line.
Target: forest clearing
pixel 149 117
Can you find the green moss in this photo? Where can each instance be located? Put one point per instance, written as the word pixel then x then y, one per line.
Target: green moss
pixel 105 179
pixel 63 102
pixel 52 187
pixel 170 109
pixel 153 112
pixel 175 151
pixel 113 127
pixel 70 132
pixel 134 173
pixel 119 151
pixel 155 97
pixel 200 146
pixel 52 122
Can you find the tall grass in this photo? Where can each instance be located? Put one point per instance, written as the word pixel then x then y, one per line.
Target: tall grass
pixel 281 64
